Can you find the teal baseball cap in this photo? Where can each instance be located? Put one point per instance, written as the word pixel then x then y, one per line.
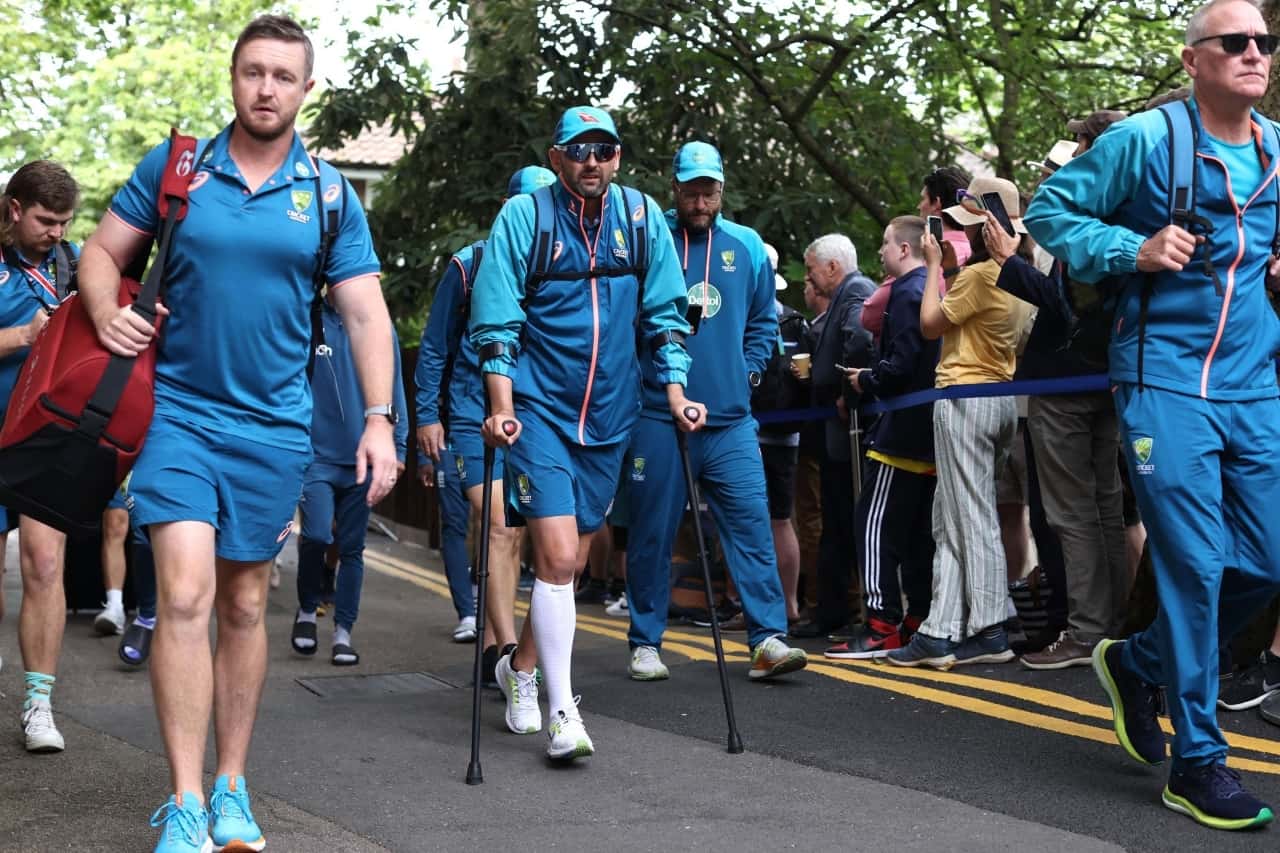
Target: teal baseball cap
pixel 529 178
pixel 579 120
pixel 698 160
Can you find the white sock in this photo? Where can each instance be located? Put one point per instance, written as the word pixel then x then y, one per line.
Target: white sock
pixel 115 598
pixel 554 618
pixel 304 616
pixel 341 636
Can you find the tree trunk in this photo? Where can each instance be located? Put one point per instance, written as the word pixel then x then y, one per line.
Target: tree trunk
pixel 1270 104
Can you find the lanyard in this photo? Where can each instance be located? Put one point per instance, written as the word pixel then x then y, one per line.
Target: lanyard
pixel 36 280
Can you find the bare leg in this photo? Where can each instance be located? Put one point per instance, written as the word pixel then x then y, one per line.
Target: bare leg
pixel 4 543
pixel 1016 535
pixel 115 530
pixel 787 547
pixel 240 661
pixel 504 568
pixel 181 660
pixel 42 616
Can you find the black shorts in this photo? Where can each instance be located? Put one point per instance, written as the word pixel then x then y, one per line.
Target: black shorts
pixel 780 478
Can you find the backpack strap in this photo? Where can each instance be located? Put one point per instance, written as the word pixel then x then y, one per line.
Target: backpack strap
pixel 330 219
pixel 1275 138
pixel 542 252
pixel 467 274
pixel 172 204
pixel 64 270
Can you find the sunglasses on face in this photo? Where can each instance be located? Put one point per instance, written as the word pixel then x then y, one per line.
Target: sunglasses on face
pixel 578 152
pixel 1235 44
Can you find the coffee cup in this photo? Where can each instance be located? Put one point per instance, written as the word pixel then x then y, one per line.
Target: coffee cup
pixel 801 362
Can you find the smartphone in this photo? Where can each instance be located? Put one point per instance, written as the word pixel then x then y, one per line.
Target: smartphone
pixel 935 228
pixel 993 203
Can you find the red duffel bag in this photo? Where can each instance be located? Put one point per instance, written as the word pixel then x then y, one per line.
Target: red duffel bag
pixel 79 414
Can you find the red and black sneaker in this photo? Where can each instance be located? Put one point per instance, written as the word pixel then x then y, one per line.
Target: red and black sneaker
pixel 872 640
pixel 910 624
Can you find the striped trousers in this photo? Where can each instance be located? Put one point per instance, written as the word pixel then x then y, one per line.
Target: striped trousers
pixel 972 439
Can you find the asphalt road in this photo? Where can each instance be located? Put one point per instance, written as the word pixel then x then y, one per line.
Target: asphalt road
pixel 842 756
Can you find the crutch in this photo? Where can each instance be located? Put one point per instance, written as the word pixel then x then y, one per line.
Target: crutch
pixel 691 485
pixel 475 776
pixel 855 445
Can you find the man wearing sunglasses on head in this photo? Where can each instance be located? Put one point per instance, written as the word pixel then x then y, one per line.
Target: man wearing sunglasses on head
pixel 1191 359
pixel 578 279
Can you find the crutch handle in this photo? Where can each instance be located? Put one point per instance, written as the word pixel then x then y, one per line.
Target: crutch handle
pixel 692 414
pixel 508 427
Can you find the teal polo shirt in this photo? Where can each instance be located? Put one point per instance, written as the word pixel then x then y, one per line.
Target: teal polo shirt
pixel 233 352
pixel 25 287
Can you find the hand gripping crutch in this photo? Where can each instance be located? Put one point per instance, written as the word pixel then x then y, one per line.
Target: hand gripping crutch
pixel 475 776
pixel 691 485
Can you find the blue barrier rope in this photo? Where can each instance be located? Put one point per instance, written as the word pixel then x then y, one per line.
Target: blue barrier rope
pixel 1029 387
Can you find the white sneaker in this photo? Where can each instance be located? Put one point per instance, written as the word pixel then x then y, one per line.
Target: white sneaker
pixel 42 734
pixel 619 607
pixel 520 689
pixel 568 737
pixel 647 665
pixel 466 630
pixel 110 620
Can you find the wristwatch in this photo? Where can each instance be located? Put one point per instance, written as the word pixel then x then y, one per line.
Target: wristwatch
pixel 385 410
pixel 753 379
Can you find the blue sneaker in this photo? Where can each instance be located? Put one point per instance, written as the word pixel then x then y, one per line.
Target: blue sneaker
pixel 923 650
pixel 1135 704
pixel 234 829
pixel 183 824
pixel 990 645
pixel 1212 795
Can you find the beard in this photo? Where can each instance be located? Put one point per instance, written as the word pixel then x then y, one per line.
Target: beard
pixel 267 134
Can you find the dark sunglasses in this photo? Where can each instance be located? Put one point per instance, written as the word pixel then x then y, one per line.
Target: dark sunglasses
pixel 1237 43
pixel 578 152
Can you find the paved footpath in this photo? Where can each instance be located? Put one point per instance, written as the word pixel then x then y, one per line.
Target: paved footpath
pixel 844 756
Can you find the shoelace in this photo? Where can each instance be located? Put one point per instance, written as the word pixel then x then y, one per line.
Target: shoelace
pixel 1224 782
pixel 231 804
pixel 526 688
pixel 179 824
pixel 1053 647
pixel 40 717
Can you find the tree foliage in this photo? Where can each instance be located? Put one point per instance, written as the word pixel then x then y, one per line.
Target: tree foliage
pixel 828 118
pixel 109 80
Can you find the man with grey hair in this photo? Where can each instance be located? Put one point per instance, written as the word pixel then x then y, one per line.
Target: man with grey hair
pixel 1195 386
pixel 831 267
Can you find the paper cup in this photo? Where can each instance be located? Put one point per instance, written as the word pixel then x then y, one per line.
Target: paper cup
pixel 801 361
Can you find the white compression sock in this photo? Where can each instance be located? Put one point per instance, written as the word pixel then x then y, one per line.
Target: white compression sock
pixel 115 598
pixel 554 617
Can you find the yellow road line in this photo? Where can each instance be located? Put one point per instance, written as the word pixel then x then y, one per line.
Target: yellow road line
pixel 700 647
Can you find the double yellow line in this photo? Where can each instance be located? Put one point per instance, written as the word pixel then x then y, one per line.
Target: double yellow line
pixel 916 683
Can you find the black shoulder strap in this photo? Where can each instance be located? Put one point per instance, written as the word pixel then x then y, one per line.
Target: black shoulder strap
pixel 330 220
pixel 65 263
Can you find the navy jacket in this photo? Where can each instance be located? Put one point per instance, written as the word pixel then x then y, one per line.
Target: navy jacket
pixel 843 340
pixel 337 415
pixel 905 362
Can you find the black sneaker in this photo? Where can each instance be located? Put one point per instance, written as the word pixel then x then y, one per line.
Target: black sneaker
pixel 594 592
pixel 1135 705
pixel 1248 688
pixel 488 667
pixel 1213 796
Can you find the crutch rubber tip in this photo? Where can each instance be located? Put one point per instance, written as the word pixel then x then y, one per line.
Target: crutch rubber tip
pixel 475 777
pixel 735 744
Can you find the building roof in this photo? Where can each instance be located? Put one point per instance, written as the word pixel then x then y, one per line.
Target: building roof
pixel 377 147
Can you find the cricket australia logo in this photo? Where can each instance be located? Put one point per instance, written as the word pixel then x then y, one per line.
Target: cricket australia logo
pixel 1142 448
pixel 727 257
pixel 524 489
pixel 707 296
pixel 620 250
pixel 637 469
pixel 301 201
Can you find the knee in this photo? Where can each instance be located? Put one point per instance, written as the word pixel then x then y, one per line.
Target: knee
pixel 557 565
pixel 41 569
pixel 185 602
pixel 115 528
pixel 506 540
pixel 241 609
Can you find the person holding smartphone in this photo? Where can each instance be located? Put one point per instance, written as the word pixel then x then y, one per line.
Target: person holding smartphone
pixel 980 326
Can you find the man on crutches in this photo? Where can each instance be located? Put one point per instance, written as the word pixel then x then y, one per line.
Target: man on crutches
pixel 576 278
pixel 730 278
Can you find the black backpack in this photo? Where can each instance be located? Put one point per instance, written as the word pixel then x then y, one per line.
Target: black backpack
pixel 778 389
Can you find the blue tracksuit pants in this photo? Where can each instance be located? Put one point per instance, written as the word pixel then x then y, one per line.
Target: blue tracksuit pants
pixel 455 512
pixel 726 462
pixel 330 493
pixel 1207 478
